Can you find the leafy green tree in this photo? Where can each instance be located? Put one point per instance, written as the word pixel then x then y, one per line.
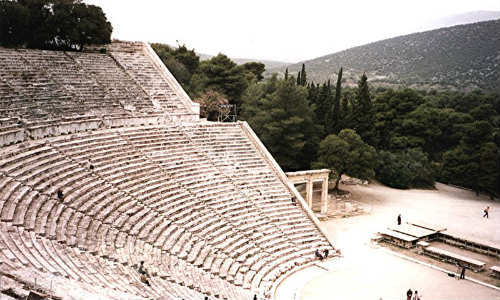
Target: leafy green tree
pixel 405 169
pixel 346 153
pixel 223 75
pixel 52 24
pixel 280 114
pixel 211 103
pixel 463 165
pixel 255 68
pixel 183 63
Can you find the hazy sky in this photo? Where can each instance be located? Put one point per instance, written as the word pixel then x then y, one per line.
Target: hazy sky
pixel 288 31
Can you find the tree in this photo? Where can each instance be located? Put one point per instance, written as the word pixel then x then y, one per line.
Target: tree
pixel 335 123
pixel 52 24
pixel 363 112
pixel 346 153
pixel 223 75
pixel 255 68
pixel 286 74
pixel 183 64
pixel 465 165
pixel 404 169
pixel 211 103
pixel 280 114
pixel 302 79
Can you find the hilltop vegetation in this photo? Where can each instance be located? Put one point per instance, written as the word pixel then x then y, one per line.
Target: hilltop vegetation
pixel 52 24
pixel 464 57
pixel 402 137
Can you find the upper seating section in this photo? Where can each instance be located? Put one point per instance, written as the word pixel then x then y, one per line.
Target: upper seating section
pixel 41 85
pixel 143 65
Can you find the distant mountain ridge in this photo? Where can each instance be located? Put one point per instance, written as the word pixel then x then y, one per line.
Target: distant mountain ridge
pixel 461 19
pixel 462 57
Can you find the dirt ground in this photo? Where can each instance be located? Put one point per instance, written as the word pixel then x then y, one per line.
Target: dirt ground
pixel 367 271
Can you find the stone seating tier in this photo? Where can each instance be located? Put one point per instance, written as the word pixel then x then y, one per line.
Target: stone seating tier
pixel 161 194
pixel 39 85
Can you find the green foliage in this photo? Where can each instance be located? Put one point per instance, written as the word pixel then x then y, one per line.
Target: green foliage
pixel 223 75
pixel 280 114
pixel 461 57
pixel 211 103
pixel 405 169
pixel 363 112
pixel 182 62
pixel 302 79
pixel 52 24
pixel 347 154
pixel 255 68
pixel 335 125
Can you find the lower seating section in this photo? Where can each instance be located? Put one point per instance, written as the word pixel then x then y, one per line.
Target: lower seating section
pixel 197 203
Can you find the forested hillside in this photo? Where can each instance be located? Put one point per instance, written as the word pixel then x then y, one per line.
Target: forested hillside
pixel 463 57
pixel 402 137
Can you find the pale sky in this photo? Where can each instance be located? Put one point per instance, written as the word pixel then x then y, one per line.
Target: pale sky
pixel 288 31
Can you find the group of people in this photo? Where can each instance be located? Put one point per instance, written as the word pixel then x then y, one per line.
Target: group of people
pixel 318 254
pixel 410 295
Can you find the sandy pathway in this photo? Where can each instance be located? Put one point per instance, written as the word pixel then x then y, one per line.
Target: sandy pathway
pixel 366 272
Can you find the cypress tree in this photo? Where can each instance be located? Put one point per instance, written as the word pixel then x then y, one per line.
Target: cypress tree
pixel 364 115
pixel 299 76
pixel 286 74
pixel 303 78
pixel 336 105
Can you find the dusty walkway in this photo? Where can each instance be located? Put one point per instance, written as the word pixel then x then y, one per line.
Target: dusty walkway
pixel 366 272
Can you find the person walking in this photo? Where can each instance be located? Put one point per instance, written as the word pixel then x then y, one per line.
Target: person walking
pixel 486 210
pixel 462 274
pixel 399 219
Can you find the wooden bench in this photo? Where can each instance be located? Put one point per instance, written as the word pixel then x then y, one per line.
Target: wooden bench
pixel 495 271
pixel 473 264
pixel 399 239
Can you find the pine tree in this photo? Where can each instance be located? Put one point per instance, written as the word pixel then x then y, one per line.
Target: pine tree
pixel 336 105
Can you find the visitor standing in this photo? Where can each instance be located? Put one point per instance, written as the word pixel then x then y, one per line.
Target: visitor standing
pixel 409 293
pixel 399 219
pixel 416 296
pixel 462 274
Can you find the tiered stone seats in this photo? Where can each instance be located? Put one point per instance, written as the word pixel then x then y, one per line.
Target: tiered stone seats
pixel 117 84
pixel 140 67
pixel 96 176
pixel 40 85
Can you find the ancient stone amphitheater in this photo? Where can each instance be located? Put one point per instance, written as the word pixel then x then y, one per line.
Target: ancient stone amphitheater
pixel 104 162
